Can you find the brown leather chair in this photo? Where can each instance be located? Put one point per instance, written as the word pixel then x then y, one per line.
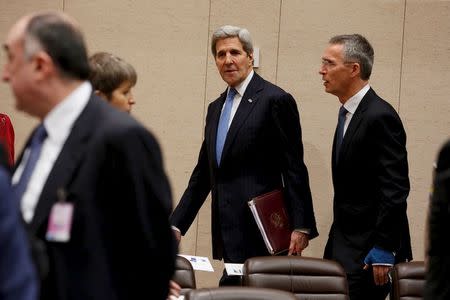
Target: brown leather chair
pixel 238 293
pixel 184 275
pixel 408 281
pixel 306 277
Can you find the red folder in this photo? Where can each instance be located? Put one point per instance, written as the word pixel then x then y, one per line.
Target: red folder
pixel 272 219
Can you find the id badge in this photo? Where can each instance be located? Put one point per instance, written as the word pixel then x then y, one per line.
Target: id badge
pixel 60 222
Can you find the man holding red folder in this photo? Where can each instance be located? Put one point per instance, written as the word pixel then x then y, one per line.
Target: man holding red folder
pixel 252 145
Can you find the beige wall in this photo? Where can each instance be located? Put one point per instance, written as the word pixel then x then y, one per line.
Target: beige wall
pixel 168 43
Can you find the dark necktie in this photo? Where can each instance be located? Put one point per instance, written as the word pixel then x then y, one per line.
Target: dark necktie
pixel 222 129
pixel 34 151
pixel 340 129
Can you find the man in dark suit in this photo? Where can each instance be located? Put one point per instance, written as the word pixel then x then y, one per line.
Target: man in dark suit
pixel 18 278
pixel 261 151
pixel 438 250
pixel 370 172
pixel 90 182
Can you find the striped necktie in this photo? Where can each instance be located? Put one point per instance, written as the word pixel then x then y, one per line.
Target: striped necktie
pixel 34 152
pixel 222 129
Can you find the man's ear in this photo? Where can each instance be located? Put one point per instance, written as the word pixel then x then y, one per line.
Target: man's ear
pixel 356 70
pixel 250 55
pixel 43 65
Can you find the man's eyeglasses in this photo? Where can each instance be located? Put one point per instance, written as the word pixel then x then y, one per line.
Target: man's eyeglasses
pixel 330 64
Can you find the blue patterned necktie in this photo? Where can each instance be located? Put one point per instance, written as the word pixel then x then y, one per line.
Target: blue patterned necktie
pixel 222 129
pixel 340 129
pixel 34 152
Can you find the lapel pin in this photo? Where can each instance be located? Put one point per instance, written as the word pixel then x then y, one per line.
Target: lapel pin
pixel 250 100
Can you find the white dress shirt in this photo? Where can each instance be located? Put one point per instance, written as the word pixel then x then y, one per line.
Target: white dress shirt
pixel 240 89
pixel 58 124
pixel 352 104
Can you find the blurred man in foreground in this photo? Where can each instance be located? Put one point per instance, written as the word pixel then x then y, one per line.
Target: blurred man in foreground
pixel 90 181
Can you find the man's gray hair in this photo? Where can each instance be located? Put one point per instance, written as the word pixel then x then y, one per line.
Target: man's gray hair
pixel 57 35
pixel 356 49
pixel 229 31
pixel 31 46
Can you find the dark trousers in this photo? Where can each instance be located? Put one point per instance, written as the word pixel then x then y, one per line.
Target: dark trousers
pixel 362 287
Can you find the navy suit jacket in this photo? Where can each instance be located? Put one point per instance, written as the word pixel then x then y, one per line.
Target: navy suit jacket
pixel 371 185
pixel 111 169
pixel 18 279
pixel 263 149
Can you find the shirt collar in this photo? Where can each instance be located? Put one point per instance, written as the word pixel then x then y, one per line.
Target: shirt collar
pixel 241 87
pixel 61 118
pixel 352 104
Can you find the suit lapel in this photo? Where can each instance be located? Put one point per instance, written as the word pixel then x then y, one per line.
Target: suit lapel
pixel 248 102
pixel 333 153
pixel 354 124
pixel 66 164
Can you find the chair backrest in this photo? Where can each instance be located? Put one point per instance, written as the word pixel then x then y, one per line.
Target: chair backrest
pixel 408 281
pixel 305 277
pixel 184 275
pixel 238 293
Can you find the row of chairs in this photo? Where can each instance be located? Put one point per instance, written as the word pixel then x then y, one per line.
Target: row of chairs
pixel 239 293
pixel 293 277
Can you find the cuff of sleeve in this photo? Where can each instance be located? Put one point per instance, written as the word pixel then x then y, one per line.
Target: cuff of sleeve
pixel 176 229
pixel 382 264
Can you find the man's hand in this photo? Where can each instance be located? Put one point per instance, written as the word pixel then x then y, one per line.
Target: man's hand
pixel 299 241
pixel 380 273
pixel 381 262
